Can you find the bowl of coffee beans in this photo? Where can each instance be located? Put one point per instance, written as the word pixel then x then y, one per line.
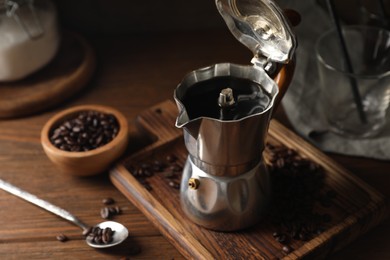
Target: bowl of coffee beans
pixel 85 140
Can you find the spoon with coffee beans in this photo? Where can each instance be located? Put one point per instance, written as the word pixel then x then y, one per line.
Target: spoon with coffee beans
pixel 103 235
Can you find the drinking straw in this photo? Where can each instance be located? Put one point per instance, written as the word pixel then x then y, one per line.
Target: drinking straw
pixel 354 84
pixel 383 14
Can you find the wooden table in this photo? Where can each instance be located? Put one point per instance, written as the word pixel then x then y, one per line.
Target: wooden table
pixel 133 73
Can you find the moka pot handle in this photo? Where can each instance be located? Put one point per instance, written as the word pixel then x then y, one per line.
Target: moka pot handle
pixel 283 79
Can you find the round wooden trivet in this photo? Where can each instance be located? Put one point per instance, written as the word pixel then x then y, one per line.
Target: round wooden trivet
pixel 64 76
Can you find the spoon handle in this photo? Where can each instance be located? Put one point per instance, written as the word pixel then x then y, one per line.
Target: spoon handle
pixel 41 203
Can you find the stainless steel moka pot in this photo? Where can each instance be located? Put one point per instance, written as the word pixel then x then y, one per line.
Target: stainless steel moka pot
pixel 225 110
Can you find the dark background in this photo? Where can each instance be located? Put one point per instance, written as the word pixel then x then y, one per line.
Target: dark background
pixel 149 16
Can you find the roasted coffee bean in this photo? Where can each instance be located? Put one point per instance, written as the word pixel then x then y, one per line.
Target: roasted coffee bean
pixel 90 237
pixel 109 212
pixel 100 236
pixel 108 201
pixel 148 172
pixel 319 230
pixel 87 231
pixel 171 158
pixel 176 168
pixel 174 184
pixel 112 210
pixel 147 186
pixel 157 168
pixel 97 239
pixel 159 163
pixel 145 166
pixel 79 135
pixel 118 210
pixel 287 249
pixel 282 238
pixel 105 213
pixel 62 238
pixel 139 173
pixel 303 236
pixel 169 175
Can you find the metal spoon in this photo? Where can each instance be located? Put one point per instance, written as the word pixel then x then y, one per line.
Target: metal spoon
pixel 120 234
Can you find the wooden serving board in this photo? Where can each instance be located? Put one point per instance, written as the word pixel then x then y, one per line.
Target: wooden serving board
pixel 355 209
pixel 65 75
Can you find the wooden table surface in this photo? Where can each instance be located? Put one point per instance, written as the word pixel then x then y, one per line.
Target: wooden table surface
pixel 133 73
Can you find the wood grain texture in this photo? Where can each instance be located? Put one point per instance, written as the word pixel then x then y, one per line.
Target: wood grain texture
pixel 65 75
pixel 357 208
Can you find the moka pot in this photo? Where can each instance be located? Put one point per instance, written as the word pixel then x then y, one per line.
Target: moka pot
pixel 225 110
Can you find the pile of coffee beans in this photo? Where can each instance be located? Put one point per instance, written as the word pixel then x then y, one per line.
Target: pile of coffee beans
pixel 109 211
pixel 298 186
pixel 99 236
pixel 86 130
pixel 168 167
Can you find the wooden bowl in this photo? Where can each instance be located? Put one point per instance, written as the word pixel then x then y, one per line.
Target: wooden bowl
pixel 90 162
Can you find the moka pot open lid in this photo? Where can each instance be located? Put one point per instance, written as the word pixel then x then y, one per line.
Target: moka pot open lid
pixel 261 26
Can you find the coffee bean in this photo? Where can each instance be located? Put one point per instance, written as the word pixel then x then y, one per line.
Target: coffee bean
pixel 169 175
pixel 67 125
pixel 158 166
pixel 175 167
pixel 87 231
pixel 97 239
pixel 303 236
pixel 62 238
pixel 105 213
pixel 139 173
pixel 174 184
pixel 111 210
pixel 90 237
pixel 100 236
pixel 287 249
pixel 148 172
pixel 74 131
pixel 319 230
pixel 145 166
pixel 282 238
pixel 147 186
pixel 108 201
pixel 171 158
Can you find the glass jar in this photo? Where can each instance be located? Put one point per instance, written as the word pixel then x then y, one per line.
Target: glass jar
pixel 29 37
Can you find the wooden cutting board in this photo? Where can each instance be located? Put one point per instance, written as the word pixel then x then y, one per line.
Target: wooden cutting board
pixel 65 75
pixel 356 208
